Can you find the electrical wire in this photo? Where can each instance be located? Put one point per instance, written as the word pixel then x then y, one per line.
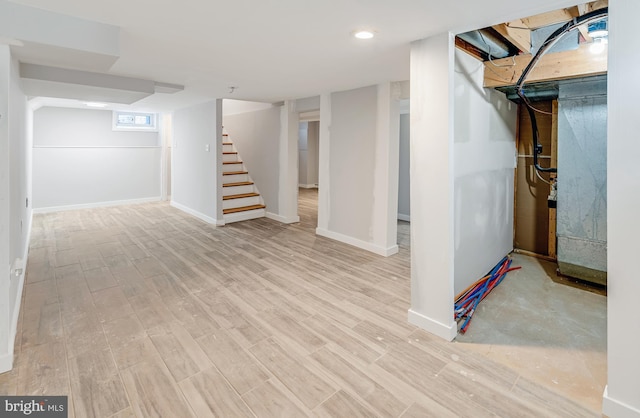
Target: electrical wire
pixel 467 302
pixel 489 54
pixel 546 45
pixel 542 178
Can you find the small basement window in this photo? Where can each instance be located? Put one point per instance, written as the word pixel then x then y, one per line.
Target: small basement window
pixel 133 121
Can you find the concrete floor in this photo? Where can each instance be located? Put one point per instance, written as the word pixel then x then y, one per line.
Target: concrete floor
pixel 551 333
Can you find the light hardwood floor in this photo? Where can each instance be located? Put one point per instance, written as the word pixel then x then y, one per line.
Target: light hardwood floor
pixel 145 311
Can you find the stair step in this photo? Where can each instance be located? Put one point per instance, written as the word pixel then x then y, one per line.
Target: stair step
pixel 239 196
pixel 231 173
pixel 227 143
pixel 239 183
pixel 242 209
pixel 229 152
pixel 232 162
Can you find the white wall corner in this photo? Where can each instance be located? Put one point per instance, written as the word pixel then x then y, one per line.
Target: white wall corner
pixel 616 409
pixel 368 246
pixel 288 174
pixel 431 172
pixel 447 332
pixel 283 219
pixel 197 214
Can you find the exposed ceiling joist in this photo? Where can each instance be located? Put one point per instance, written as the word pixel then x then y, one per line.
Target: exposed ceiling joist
pixel 516 33
pixel 553 66
pixel 563 15
pixel 549 18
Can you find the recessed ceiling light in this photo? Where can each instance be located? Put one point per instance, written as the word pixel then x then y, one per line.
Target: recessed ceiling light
pixel 364 34
pixel 95 104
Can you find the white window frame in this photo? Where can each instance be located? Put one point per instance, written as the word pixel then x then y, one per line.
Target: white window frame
pixel 137 128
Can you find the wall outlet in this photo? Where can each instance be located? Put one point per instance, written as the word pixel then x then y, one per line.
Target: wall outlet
pixel 206 147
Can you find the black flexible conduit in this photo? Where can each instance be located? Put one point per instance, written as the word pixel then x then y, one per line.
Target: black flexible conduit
pixel 548 43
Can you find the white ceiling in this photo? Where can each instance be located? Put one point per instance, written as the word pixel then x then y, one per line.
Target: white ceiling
pixel 274 50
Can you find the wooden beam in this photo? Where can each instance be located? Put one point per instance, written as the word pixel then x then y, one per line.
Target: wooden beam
pixel 549 18
pixel 552 66
pixel 470 49
pixel 597 5
pixel 584 31
pixel 562 15
pixel 516 33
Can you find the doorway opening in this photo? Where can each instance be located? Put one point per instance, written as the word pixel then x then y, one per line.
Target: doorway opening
pixel 308 163
pixel 551 208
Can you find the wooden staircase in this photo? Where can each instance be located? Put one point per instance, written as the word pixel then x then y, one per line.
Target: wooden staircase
pixel 240 197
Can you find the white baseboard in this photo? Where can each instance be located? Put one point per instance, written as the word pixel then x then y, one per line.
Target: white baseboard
pixel 403 217
pixel 96 205
pixel 197 214
pixel 447 332
pixel 614 408
pixel 386 252
pixel 308 186
pixel 283 219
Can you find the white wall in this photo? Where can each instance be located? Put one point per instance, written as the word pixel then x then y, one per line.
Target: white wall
pixel 358 173
pixel 483 166
pixel 233 107
pixel 69 127
pixel 6 353
pixel 432 215
pixel 20 178
pixel 308 134
pixel 79 161
pixel 15 216
pixel 75 177
pixel 197 161
pixel 622 395
pixel 256 136
pixel 404 182
pixel 303 132
pixel 313 137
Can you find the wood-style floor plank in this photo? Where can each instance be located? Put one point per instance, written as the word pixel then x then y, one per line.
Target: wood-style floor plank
pixel 143 310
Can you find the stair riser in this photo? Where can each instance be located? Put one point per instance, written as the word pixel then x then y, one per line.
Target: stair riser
pixel 227 168
pixel 227 148
pixel 228 191
pixel 229 157
pixel 244 201
pixel 235 178
pixel 243 216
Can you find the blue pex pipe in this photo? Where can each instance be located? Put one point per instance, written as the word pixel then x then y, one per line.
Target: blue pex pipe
pixel 467 304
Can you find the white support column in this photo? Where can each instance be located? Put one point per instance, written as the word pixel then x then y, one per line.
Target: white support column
pixel 622 394
pixel 324 169
pixel 432 65
pixel 385 207
pixel 288 178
